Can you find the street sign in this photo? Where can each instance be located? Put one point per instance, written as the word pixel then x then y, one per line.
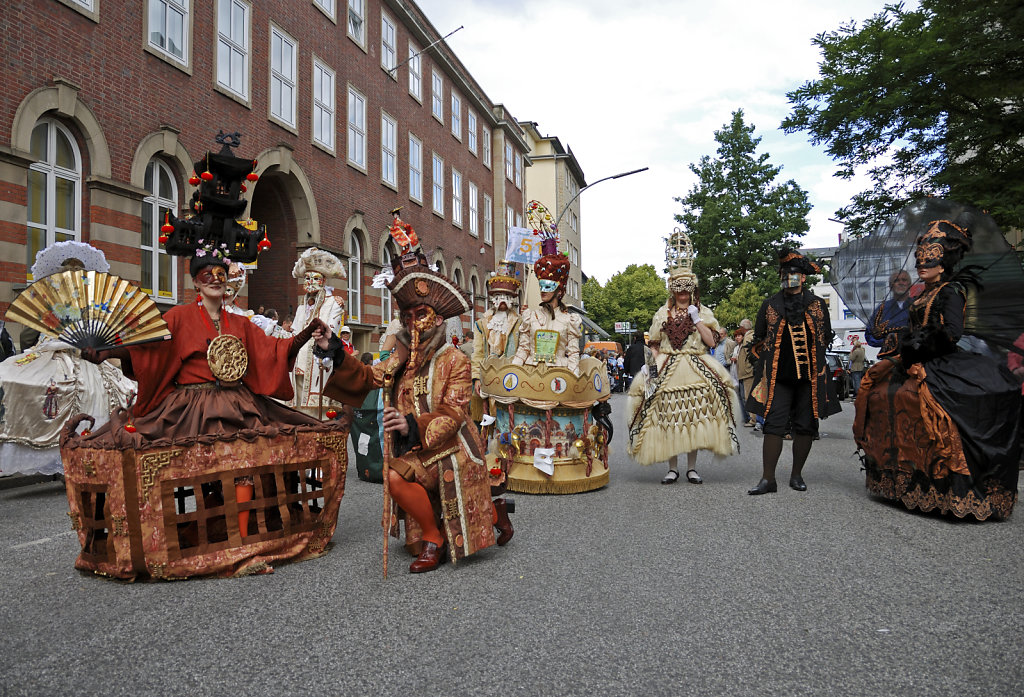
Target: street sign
pixel 624 328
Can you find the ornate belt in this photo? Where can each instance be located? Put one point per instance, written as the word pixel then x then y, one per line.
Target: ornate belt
pixel 208 385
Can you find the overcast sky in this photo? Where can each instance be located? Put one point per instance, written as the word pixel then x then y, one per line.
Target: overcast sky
pixel 646 84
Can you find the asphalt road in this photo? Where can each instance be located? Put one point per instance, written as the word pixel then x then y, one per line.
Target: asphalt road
pixel 637 588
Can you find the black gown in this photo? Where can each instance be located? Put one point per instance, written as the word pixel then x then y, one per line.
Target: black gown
pixel 940 427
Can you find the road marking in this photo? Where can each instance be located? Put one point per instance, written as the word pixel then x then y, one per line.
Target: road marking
pixel 43 540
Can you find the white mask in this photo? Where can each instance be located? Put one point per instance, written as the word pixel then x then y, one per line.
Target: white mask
pixel 314 282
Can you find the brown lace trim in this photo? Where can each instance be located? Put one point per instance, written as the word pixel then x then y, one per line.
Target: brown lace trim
pixel 678 329
pixel 997 501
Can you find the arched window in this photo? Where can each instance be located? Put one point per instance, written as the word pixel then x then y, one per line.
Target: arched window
pixel 159 269
pixel 354 280
pixel 385 294
pixel 54 191
pixel 472 303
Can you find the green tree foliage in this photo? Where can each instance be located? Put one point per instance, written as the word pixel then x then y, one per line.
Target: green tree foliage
pixel 737 217
pixel 744 303
pixel 929 100
pixel 632 295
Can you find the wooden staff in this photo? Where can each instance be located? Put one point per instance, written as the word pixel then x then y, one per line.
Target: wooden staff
pixel 320 395
pixel 385 448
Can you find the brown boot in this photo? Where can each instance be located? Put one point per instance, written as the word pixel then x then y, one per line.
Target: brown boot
pixel 429 559
pixel 503 524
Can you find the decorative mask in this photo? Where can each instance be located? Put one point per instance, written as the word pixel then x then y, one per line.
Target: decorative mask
pixel 235 281
pixel 498 298
pixel 313 282
pixel 212 274
pixel 792 280
pixel 418 320
pixel 548 285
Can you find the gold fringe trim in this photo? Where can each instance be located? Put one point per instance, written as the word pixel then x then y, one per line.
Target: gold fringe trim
pixel 550 485
pixel 940 427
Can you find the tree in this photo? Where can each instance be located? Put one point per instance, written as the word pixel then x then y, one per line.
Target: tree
pixel 737 218
pixel 744 303
pixel 632 295
pixel 929 101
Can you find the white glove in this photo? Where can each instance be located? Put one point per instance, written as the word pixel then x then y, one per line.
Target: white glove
pixel 694 313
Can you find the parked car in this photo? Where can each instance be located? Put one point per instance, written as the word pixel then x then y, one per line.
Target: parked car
pixel 839 369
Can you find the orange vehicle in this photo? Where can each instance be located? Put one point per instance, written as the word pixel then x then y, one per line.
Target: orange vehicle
pixel 595 346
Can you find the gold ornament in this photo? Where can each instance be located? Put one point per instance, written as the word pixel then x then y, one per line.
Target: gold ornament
pixel 227 358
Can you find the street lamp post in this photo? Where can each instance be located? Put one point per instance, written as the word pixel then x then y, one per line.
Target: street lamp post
pixel 614 176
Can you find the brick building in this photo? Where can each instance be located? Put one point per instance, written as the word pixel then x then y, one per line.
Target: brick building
pixel 106 105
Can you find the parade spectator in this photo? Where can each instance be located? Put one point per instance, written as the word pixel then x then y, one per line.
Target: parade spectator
pixel 857 358
pixel 791 334
pixel 890 316
pixel 636 356
pixel 346 340
pixel 745 371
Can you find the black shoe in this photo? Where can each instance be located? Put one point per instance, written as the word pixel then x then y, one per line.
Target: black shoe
pixel 671 478
pixel 763 487
pixel 693 477
pixel 797 483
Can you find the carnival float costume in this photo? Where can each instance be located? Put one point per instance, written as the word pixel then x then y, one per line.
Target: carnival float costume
pixel 551 406
pixel 496 332
pixel 313 268
pixel 685 402
pixel 435 471
pixel 45 385
pixel 792 390
pixel 940 427
pixel 206 474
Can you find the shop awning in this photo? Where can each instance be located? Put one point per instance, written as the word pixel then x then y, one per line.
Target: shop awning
pixel 591 327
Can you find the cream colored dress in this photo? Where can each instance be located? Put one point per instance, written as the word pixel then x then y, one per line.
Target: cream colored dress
pixel 553 341
pixel 691 405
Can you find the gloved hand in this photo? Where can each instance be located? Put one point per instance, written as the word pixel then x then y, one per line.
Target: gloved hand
pixel 305 335
pixel 694 313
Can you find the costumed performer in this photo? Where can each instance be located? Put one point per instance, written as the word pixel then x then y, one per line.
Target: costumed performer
pixel 41 388
pixel 436 471
pixel 313 268
pixel 791 382
pixel 940 427
pixel 496 332
pixel 549 333
pixel 890 317
pixel 690 404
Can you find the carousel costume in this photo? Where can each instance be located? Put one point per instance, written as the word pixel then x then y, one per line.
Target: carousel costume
pixel 207 474
pixel 792 389
pixel 939 426
pixel 435 473
pixel 313 268
pixel 496 332
pixel 551 406
pixel 684 402
pixel 44 386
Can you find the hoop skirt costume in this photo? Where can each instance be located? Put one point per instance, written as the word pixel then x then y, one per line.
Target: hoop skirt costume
pixel 690 403
pixel 206 474
pixel 938 426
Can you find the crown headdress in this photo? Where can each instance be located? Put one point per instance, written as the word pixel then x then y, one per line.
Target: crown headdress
pixel 679 260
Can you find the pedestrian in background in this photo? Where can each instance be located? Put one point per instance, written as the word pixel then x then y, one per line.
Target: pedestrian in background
pixel 856 365
pixel 745 371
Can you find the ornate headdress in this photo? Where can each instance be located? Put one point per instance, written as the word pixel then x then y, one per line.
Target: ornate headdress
pixel 53 259
pixel 944 244
pixel 504 280
pixel 211 225
pixel 553 265
pixel 321 261
pixel 414 282
pixel 789 258
pixel 679 260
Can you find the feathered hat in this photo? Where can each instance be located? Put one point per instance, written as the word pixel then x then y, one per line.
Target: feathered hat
pixel 321 261
pixel 679 262
pixel 793 260
pixel 414 282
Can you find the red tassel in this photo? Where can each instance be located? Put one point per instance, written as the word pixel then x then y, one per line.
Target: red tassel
pixel 331 413
pixel 252 176
pixel 167 228
pixel 130 427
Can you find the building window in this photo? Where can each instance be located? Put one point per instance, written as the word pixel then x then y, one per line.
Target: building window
pixel 415 168
pixel 282 77
pixel 488 220
pixel 388 150
pixel 471 131
pixel 509 169
pixel 438 184
pixel 509 218
pixel 573 187
pixel 355 277
pixel 168 28
pixel 388 44
pixel 327 6
pixel 519 219
pixel 474 213
pixel 87 4
pixel 485 144
pixel 437 96
pixel 385 294
pixel 518 159
pixel 356 25
pixel 456 117
pixel 472 303
pixel 356 128
pixel 415 81
pixel 574 256
pixel 456 197
pixel 323 105
pixel 159 269
pixel 574 221
pixel 233 46
pixel 54 192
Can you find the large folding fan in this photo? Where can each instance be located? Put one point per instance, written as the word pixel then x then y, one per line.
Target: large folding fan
pixel 89 309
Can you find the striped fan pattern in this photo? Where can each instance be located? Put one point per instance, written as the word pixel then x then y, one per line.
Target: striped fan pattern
pixel 89 309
